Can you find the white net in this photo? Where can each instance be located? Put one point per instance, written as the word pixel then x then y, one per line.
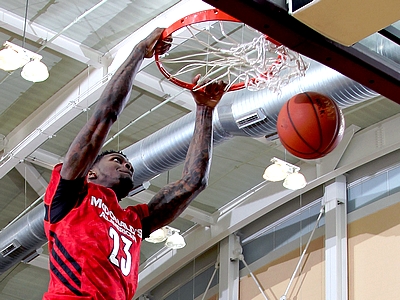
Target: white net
pixel 235 53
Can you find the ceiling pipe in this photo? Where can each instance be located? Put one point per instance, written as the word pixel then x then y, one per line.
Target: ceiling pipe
pixel 242 113
pixel 22 240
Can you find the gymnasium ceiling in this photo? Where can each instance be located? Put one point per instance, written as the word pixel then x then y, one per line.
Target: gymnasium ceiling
pixel 79 51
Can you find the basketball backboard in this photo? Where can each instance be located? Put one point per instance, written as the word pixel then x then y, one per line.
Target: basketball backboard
pixel 346 22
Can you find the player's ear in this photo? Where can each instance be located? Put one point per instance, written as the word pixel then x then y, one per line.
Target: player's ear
pixel 92 175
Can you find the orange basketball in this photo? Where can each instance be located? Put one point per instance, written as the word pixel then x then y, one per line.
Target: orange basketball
pixel 310 125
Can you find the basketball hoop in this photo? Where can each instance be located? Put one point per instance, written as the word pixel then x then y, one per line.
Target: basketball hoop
pixel 220 47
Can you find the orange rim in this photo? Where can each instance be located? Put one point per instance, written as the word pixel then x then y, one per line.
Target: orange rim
pixel 198 17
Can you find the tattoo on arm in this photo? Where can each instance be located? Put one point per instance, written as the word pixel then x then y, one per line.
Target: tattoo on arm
pixel 171 200
pixel 90 139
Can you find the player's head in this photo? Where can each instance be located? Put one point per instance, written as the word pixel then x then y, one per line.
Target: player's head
pixel 112 169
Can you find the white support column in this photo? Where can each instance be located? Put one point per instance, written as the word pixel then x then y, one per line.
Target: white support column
pixel 336 272
pixel 230 249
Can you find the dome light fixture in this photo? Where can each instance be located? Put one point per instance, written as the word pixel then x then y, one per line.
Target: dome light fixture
pixel 157 236
pixel 175 241
pixel 275 172
pixel 169 234
pixel 13 57
pixel 10 59
pixel 295 181
pixel 35 71
pixel 282 170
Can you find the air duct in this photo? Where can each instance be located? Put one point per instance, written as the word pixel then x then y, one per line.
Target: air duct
pixel 242 113
pixel 22 239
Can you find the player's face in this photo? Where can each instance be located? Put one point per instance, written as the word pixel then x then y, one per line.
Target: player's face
pixel 116 172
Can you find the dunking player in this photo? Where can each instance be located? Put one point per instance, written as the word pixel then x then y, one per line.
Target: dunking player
pixel 94 244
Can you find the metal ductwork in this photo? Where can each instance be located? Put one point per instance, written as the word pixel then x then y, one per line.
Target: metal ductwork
pixel 241 113
pixel 22 241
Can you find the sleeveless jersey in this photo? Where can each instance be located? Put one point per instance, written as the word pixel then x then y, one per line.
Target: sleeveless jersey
pixel 94 251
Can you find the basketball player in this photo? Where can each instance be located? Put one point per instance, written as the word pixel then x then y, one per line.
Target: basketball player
pixel 94 244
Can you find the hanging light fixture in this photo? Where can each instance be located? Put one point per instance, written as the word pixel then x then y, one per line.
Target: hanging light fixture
pixel 282 170
pixel 157 236
pixel 277 171
pixel 35 71
pixel 295 181
pixel 173 239
pixel 13 57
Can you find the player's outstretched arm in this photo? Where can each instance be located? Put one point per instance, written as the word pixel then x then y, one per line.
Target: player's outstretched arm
pixel 90 139
pixel 171 200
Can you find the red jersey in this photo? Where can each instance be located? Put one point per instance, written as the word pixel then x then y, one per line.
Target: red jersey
pixel 94 249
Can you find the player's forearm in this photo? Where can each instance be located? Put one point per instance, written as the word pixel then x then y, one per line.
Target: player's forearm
pixel 90 139
pixel 174 198
pixel 118 90
pixel 198 158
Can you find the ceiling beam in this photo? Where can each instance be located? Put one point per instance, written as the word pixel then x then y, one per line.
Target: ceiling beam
pixel 275 22
pixel 165 89
pixel 44 158
pixel 32 177
pixel 58 111
pixel 41 261
pixel 61 44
